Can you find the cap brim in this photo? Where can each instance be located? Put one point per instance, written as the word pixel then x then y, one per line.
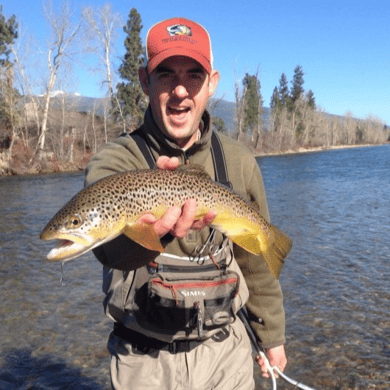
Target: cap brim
pixel 178 51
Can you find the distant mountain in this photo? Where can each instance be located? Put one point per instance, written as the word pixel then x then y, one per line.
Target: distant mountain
pixel 79 103
pixel 71 102
pixel 75 102
pixel 227 111
pixel 222 108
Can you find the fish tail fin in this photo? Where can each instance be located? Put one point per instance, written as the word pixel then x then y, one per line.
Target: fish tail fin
pixel 273 244
pixel 276 246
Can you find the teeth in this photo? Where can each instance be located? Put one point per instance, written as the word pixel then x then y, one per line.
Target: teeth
pixel 179 109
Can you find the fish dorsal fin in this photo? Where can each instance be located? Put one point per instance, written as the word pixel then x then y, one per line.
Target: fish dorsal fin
pixel 194 170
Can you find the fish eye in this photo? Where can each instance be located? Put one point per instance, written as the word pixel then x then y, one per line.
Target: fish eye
pixel 75 221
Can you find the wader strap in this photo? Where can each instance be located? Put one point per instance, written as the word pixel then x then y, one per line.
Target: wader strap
pixel 144 148
pixel 219 161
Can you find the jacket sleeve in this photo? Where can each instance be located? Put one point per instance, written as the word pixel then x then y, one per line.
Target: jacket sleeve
pixel 117 156
pixel 265 303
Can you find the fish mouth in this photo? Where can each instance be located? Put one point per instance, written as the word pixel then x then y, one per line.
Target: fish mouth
pixel 68 246
pixel 66 250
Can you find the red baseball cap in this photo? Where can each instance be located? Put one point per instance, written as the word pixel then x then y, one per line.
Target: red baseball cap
pixel 178 37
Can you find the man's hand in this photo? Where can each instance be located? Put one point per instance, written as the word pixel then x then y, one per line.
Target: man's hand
pixel 177 221
pixel 276 357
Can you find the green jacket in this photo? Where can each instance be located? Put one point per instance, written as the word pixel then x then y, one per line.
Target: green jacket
pixel 266 299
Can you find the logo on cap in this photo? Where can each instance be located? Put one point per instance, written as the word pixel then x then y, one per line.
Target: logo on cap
pixel 179 29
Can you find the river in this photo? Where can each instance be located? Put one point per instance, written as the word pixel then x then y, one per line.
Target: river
pixel 335 206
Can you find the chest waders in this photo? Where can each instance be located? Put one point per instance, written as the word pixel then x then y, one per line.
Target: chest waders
pixel 180 301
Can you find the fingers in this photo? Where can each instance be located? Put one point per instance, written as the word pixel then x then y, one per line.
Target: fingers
pixel 165 162
pixel 186 219
pixel 276 357
pixel 178 221
pixel 205 221
pixel 165 224
pixel 263 366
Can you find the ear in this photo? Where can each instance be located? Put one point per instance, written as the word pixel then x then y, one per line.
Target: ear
pixel 213 82
pixel 144 80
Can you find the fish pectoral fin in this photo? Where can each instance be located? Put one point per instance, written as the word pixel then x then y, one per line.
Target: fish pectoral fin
pixel 248 241
pixel 273 245
pixel 144 234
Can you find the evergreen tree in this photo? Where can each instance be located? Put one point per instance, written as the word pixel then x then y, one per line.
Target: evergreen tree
pixel 219 124
pixel 129 92
pixel 283 90
pixel 280 100
pixel 297 92
pixel 8 95
pixel 275 102
pixel 276 107
pixel 253 102
pixel 297 84
pixel 310 99
pixel 8 34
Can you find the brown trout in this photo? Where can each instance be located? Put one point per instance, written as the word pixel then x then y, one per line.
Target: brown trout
pixel 113 205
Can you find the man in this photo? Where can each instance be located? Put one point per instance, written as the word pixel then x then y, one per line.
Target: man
pixel 179 79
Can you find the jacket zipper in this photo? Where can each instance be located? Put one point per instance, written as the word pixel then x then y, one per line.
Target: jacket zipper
pixel 175 286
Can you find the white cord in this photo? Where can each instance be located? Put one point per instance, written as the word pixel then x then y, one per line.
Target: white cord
pixel 269 369
pixel 276 369
pixel 292 381
pixel 261 355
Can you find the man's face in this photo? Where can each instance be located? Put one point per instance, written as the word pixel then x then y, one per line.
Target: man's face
pixel 178 90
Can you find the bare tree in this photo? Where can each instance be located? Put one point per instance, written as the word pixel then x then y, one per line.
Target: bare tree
pixel 373 130
pixel 94 130
pixel 349 128
pixel 240 106
pixel 106 111
pixel 103 24
pixel 64 32
pixel 258 134
pixel 23 62
pixel 65 103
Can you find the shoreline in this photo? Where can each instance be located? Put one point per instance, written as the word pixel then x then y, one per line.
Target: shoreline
pixel 6 171
pixel 315 149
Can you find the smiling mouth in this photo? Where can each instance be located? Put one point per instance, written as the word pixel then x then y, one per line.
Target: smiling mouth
pixel 177 111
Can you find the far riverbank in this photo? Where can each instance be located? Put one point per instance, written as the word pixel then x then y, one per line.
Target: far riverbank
pixel 315 149
pixel 47 166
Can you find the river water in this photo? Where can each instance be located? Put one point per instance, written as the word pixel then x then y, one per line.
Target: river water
pixel 334 205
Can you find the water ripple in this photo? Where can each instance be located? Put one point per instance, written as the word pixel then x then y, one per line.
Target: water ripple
pixel 336 281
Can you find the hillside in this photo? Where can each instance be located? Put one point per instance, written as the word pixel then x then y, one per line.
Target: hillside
pixel 220 108
pixel 226 111
pixel 83 104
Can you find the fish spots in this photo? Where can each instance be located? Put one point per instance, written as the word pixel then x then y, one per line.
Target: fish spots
pixel 127 195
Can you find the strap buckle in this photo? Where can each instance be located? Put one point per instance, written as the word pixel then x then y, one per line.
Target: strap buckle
pixel 179 346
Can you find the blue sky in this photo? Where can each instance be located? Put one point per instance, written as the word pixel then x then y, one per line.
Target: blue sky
pixel 342 46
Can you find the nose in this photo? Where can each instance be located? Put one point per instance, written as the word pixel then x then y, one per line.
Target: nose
pixel 179 89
